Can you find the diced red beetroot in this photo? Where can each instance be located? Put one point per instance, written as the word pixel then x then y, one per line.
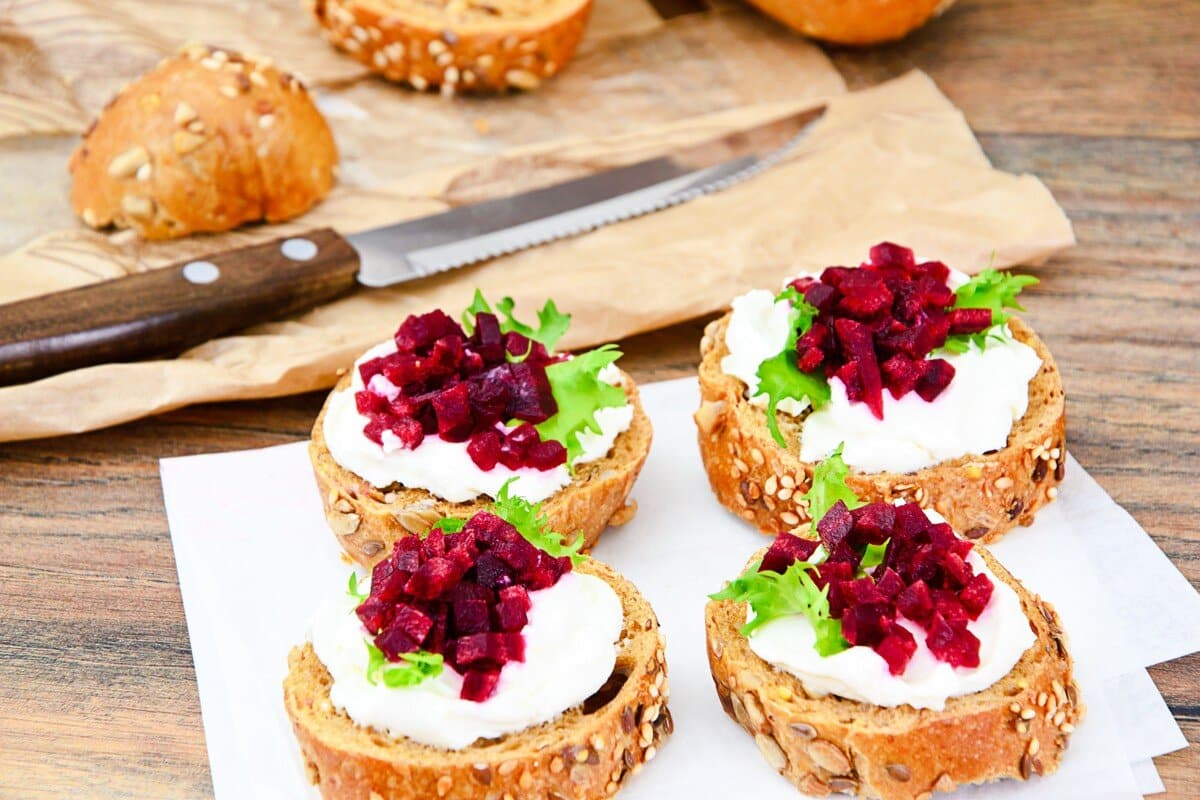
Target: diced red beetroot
pixel 484 449
pixel 369 403
pixel 897 649
pixel 976 595
pixel 970 320
pixel 937 376
pixel 953 644
pixel 887 254
pixel 785 551
pixel 915 602
pixel 820 296
pixel 889 582
pixel 493 648
pixel 408 431
pixel 479 684
pixel 402 369
pixel 517 344
pixel 374 614
pixel 520 555
pixel 547 455
pixel 492 572
pixel 809 359
pixel 412 621
pixel 418 332
pixel 848 374
pixel 873 523
pixel 864 624
pixel 453 410
pixel 374 429
pixel 432 547
pixel 487 340
pixel 941 535
pixel 960 547
pixel 539 577
pixel 532 400
pixel 387 583
pixel 831 572
pixel 491 529
pixel 901 373
pixel 956 571
pixel 434 577
pixel 471 616
pixel 370 368
pixel 934 269
pixel 835 526
pixel 511 457
pixel 407 560
pixel 859 346
pixel 910 521
pixel 395 641
pixel 446 356
pixel 523 437
pixel 512 613
pixel 517 595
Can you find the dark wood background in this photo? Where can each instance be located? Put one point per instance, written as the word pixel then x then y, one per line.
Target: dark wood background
pixel 1100 98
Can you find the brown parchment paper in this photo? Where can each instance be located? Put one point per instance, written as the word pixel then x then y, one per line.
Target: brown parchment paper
pixel 894 162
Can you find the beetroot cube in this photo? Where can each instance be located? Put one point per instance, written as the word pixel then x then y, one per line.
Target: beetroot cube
pixel 369 403
pixel 512 614
pixel 865 624
pixel 888 254
pixel 961 547
pixel 404 369
pixel 809 359
pixel 865 296
pixel 517 595
pixel 863 591
pixel 540 577
pixel 911 522
pixel 479 684
pixel 947 606
pixel 471 616
pixel 976 595
pixel 532 399
pixel 952 643
pixel 970 320
pixel 395 641
pixel 435 576
pixel 491 572
pixel 387 583
pixel 487 340
pixel 369 369
pixel 446 357
pixel 937 376
pixel 901 373
pixel 471 649
pixel 859 346
pixel 848 374
pixel 408 560
pixel 833 571
pixel 408 431
pixel 897 649
pixel 888 582
pixel 374 614
pixel 934 269
pixel 452 408
pixel 785 551
pixel 915 602
pixel 941 536
pixel 412 621
pixel 484 449
pixel 490 529
pixel 835 526
pixel 547 455
pixel 418 332
pixel 955 571
pixel 873 522
pixel 518 555
pixel 374 429
pixel 505 647
pixel 524 437
pixel 820 296
pixel 433 546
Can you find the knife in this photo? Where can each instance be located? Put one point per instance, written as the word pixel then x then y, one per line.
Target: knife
pixel 165 311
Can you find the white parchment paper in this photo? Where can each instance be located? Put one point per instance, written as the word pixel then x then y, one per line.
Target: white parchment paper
pixel 255 559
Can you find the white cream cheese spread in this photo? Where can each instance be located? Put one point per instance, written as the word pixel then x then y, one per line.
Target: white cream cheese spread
pixel 570 651
pixel 445 468
pixel 974 414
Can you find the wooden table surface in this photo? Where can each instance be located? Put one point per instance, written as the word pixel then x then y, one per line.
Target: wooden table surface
pixel 1100 98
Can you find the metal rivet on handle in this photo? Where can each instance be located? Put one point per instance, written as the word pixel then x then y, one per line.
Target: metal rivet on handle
pixel 298 249
pixel 201 272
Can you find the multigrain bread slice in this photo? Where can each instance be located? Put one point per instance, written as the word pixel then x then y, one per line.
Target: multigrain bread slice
pixel 1018 727
pixel 457 45
pixel 980 495
pixel 367 520
pixel 588 752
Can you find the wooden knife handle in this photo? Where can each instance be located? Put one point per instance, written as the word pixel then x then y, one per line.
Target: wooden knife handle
pixel 167 310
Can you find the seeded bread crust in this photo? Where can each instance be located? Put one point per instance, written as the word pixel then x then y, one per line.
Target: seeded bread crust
pixel 368 520
pixel 588 752
pixel 461 46
pixel 982 496
pixel 1018 727
pixel 206 141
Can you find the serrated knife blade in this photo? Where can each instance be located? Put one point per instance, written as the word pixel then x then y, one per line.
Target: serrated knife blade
pixel 166 310
pixel 486 230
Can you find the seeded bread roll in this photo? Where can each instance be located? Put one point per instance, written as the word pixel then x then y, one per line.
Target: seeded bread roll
pixel 457 45
pixel 856 22
pixel 981 496
pixel 1016 728
pixel 368 520
pixel 206 141
pixel 586 753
